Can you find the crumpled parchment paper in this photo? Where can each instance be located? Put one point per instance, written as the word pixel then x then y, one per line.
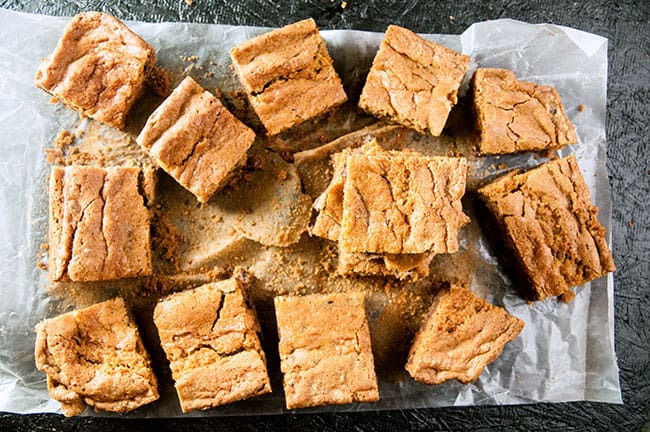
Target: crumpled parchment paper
pixel 566 351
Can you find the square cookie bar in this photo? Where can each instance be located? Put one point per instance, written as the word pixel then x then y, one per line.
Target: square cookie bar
pixel 413 81
pixel 402 204
pixel 459 337
pixel 288 75
pixel 327 224
pixel 325 351
pixel 209 335
pixel 515 116
pixel 95 357
pixel 99 227
pixel 195 139
pixel 99 68
pixel 551 226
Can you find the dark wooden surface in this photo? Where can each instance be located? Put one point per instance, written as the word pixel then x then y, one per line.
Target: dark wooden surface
pixel 627 26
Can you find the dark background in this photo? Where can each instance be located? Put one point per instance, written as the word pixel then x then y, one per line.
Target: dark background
pixel 627 26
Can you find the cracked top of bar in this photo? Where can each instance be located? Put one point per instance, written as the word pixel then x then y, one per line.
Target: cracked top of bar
pixel 461 335
pixel 413 81
pixel 551 225
pixel 515 116
pixel 288 75
pixel 325 350
pixel 209 335
pixel 327 224
pixel 402 204
pixel 99 68
pixel 99 226
pixel 94 356
pixel 195 139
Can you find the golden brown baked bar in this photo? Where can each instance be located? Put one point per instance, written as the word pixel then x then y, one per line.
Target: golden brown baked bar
pixel 402 204
pixel 515 116
pixel 288 75
pixel 413 81
pixel 325 351
pixel 327 224
pixel 195 139
pixel 95 357
pixel 99 68
pixel 99 226
pixel 551 226
pixel 460 336
pixel 209 335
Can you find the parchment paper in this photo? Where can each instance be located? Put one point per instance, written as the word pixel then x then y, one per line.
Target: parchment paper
pixel 566 351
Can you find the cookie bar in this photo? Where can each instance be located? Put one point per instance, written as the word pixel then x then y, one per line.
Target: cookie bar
pixel 99 226
pixel 99 68
pixel 209 335
pixel 402 204
pixel 325 351
pixel 95 357
pixel 288 75
pixel 460 336
pixel 196 140
pixel 551 226
pixel 413 81
pixel 515 116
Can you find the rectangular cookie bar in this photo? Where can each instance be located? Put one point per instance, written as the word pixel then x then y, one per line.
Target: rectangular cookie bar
pixel 209 335
pixel 515 116
pixel 325 351
pixel 95 357
pixel 551 226
pixel 460 336
pixel 402 204
pixel 327 224
pixel 195 139
pixel 413 81
pixel 99 227
pixel 288 75
pixel 99 68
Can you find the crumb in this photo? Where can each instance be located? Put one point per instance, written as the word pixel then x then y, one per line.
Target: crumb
pixel 581 107
pixel 189 2
pixel 567 296
pixel 45 246
pixel 630 224
pixel 281 175
pixel 41 265
pixel 344 4
pixel 63 139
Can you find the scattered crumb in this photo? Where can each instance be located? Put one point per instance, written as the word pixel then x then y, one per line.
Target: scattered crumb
pixel 63 139
pixel 344 4
pixel 41 265
pixel 581 107
pixel 189 2
pixel 45 246
pixel 630 224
